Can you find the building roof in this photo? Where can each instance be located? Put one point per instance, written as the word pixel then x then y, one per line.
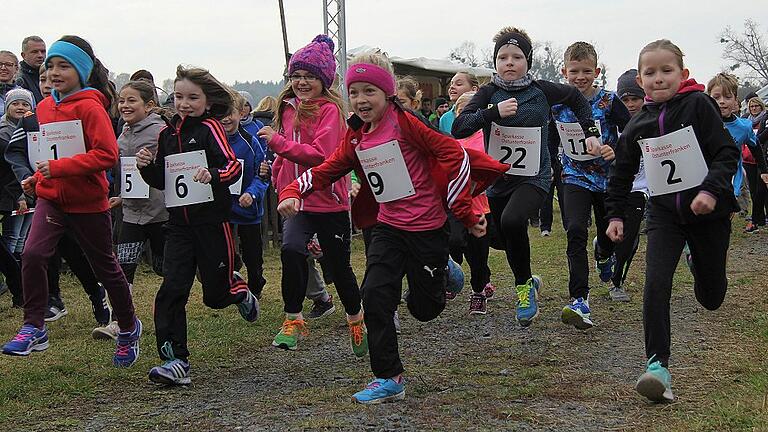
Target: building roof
pixel 425 66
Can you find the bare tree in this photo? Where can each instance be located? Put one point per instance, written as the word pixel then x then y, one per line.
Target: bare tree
pixel 547 61
pixel 747 49
pixel 466 53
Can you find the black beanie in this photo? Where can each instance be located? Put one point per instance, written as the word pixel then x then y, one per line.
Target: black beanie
pixel 627 85
pixel 518 40
pixel 440 101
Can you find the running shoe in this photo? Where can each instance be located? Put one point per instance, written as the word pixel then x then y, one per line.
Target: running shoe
pixel 577 313
pixel 173 372
pixel 618 294
pixel 29 339
pixel 321 308
pixel 489 290
pixel 249 307
pixel 288 337
pixel 56 310
pixel 379 391
pixel 656 383
pixel 107 331
pixel 751 228
pixel 604 266
pixel 358 338
pixel 477 304
pixel 527 301
pixel 127 349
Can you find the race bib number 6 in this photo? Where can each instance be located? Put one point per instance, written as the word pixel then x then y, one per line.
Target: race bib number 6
pixel 180 189
pixel 673 162
pixel 386 172
pixel 518 146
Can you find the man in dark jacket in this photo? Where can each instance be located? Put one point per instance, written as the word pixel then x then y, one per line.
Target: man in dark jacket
pixel 33 54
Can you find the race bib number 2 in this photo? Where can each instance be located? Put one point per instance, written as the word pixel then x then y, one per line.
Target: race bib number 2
pixel 518 146
pixel 673 162
pixel 386 172
pixel 180 189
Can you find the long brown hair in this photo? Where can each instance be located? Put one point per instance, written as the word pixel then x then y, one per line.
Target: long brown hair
pixel 216 93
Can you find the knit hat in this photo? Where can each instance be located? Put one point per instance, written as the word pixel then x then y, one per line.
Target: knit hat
pixel 440 101
pixel 19 94
pixel 316 58
pixel 248 98
pixel 627 85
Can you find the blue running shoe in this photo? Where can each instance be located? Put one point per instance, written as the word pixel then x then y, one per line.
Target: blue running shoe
pixel 29 339
pixel 604 266
pixel 172 372
pixel 249 308
pixel 576 314
pixel 455 277
pixel 656 382
pixel 527 304
pixel 380 391
pixel 127 351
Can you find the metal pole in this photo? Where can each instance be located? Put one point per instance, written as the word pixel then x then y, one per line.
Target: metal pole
pixel 334 25
pixel 285 34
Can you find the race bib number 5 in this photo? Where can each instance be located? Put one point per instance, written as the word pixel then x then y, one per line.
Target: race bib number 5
pixel 180 189
pixel 673 162
pixel 518 146
pixel 386 172
pixel 133 186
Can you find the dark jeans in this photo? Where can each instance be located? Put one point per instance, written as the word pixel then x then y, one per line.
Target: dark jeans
pixel 462 243
pixel 708 242
pixel 131 246
pixel 252 251
pixel 93 232
pixel 420 256
pixel 758 193
pixel 511 215
pixel 334 235
pixel 209 248
pixel 579 203
pixel 626 250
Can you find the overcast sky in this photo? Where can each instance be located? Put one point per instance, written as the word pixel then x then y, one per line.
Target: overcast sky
pixel 241 40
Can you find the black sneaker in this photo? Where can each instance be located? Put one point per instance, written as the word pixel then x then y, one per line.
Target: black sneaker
pixel 56 310
pixel 321 308
pixel 100 307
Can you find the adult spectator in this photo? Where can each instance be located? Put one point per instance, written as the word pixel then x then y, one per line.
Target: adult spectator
pixel 9 65
pixel 33 55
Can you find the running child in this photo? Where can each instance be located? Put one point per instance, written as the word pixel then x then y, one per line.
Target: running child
pixel 308 128
pixel 461 83
pixel 72 196
pixel 198 236
pixel 412 172
pixel 585 177
pixel 689 161
pixel 513 112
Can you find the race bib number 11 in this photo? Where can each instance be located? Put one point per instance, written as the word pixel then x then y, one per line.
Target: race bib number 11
pixel 180 189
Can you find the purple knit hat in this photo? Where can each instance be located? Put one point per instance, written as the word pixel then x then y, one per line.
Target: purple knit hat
pixel 316 58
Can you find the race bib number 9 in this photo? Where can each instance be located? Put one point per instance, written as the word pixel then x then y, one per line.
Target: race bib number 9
pixel 518 146
pixel 574 142
pixel 673 162
pixel 386 172
pixel 133 186
pixel 180 189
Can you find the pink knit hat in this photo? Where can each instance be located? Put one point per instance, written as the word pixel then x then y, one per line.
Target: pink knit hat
pixel 316 58
pixel 370 73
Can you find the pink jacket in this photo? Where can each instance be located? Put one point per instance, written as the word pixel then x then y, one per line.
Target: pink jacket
pixel 475 142
pixel 310 146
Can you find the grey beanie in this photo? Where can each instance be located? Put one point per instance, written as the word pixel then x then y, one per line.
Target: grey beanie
pixel 627 85
pixel 19 94
pixel 248 99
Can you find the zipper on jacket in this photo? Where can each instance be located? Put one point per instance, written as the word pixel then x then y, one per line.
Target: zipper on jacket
pixel 662 132
pixel 178 139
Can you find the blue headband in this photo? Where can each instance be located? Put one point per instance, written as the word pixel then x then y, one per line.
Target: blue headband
pixel 82 62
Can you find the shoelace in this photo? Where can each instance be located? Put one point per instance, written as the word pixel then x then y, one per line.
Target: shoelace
pixel 356 330
pixel 373 385
pixel 522 295
pixel 290 326
pixel 122 349
pixel 167 351
pixel 475 302
pixel 24 335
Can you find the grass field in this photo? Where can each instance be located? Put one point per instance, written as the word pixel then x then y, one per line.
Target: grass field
pixel 463 373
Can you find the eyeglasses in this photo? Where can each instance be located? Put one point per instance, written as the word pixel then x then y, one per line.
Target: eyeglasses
pixel 297 78
pixel 7 65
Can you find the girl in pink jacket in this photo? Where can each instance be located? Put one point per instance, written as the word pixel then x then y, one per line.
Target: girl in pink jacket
pixel 308 128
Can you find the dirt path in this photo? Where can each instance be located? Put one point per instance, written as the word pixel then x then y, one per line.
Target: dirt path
pixel 475 373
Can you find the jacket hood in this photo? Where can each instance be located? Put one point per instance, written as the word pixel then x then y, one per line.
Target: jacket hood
pixel 84 94
pixel 150 120
pixel 686 87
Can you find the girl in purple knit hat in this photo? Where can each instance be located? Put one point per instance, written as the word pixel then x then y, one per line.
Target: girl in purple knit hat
pixel 308 128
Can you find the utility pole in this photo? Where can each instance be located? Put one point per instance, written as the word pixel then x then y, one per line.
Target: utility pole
pixel 285 34
pixel 334 25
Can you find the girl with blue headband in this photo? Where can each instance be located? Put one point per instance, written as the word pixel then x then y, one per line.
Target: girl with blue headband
pixel 77 146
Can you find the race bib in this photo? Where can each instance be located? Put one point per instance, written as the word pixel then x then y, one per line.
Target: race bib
pixel 180 189
pixel 386 172
pixel 33 148
pixel 237 188
pixel 60 140
pixel 673 162
pixel 574 142
pixel 133 186
pixel 518 146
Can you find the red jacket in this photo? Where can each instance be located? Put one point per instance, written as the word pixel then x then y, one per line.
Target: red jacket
pixel 447 158
pixel 79 184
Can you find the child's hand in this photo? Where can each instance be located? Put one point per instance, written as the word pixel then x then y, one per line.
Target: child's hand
pixel 354 190
pixel 264 169
pixel 764 177
pixel 288 207
pixel 246 200
pixel 23 207
pixel 28 185
pixel 607 153
pixel 202 175
pixel 45 168
pixel 479 229
pixel 143 158
pixel 266 133
pixel 703 204
pixel 594 146
pixel 115 202
pixel 507 108
pixel 615 231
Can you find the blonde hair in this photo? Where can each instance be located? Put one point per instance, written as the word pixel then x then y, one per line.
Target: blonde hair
pixel 411 88
pixel 580 51
pixel 238 101
pixel 728 84
pixel 472 78
pixel 756 100
pixel 462 101
pixel 374 57
pixel 268 103
pixel 506 30
pixel 307 109
pixel 661 44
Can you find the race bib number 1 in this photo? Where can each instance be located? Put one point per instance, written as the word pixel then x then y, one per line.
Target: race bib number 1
pixel 61 140
pixel 180 189
pixel 386 172
pixel 133 186
pixel 518 146
pixel 574 142
pixel 673 162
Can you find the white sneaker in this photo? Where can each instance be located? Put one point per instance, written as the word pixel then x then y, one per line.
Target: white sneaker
pixel 107 332
pixel 546 233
